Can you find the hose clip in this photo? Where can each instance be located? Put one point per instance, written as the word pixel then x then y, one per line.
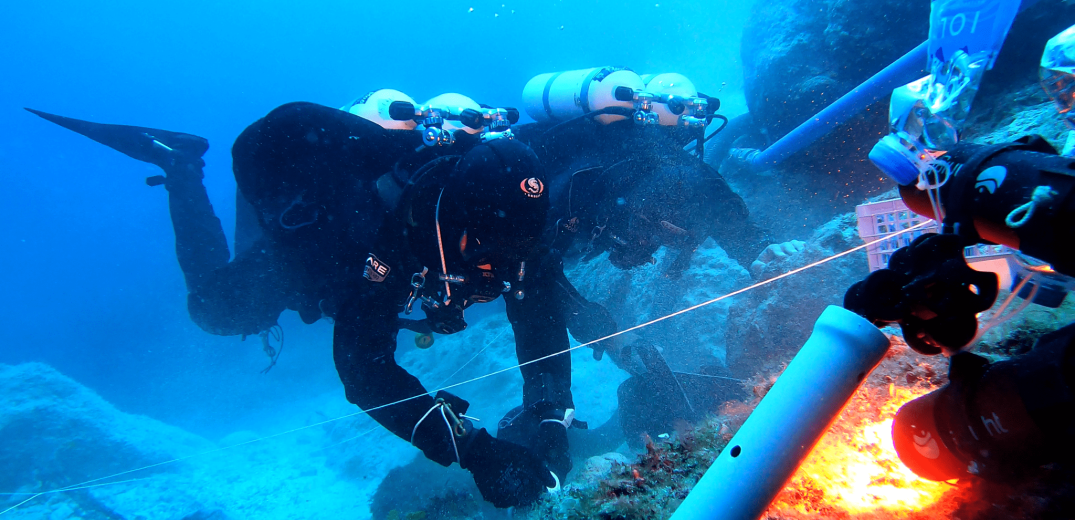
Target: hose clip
pixel 418 282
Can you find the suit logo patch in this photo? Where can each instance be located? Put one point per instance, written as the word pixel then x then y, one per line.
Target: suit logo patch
pixel 376 270
pixel 532 187
pixel 991 179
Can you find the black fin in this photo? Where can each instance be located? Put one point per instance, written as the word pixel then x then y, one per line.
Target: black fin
pixel 150 145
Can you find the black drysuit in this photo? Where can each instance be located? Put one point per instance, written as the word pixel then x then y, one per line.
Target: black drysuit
pixel 311 173
pixel 630 189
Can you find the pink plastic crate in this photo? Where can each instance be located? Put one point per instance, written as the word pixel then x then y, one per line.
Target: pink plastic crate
pixel 886 219
pixel 889 217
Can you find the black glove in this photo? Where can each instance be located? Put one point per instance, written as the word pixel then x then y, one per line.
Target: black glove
pixel 444 319
pixel 507 474
pixel 543 431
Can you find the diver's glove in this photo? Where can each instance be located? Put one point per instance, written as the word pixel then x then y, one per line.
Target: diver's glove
pixel 776 252
pixel 444 430
pixel 507 474
pixel 543 430
pixel 444 319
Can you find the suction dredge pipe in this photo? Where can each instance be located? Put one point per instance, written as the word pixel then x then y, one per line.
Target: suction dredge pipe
pixel 900 72
pixel 841 351
pixel 880 85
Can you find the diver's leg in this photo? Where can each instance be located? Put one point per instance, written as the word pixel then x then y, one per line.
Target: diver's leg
pixel 596 441
pixel 200 245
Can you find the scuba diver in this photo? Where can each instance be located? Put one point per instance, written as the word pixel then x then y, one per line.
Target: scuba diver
pixel 995 420
pixel 630 190
pixel 357 225
pixel 620 178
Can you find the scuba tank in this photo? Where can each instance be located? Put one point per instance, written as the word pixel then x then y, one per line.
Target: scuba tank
pixel 669 84
pixel 670 99
pixel 374 107
pixel 456 104
pixel 438 120
pixel 560 96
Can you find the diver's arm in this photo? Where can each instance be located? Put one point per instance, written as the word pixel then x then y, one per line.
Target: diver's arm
pixel 244 296
pixel 743 242
pixel 586 320
pixel 540 326
pixel 363 347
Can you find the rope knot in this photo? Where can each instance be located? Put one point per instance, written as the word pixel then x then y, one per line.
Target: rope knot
pixel 1021 215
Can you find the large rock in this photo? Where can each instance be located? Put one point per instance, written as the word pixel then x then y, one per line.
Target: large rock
pixel 769 324
pixel 1017 65
pixel 1023 111
pixel 800 55
pixel 425 489
pixel 56 432
pixel 689 340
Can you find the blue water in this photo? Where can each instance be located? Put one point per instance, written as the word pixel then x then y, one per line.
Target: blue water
pixel 88 274
pixel 88 268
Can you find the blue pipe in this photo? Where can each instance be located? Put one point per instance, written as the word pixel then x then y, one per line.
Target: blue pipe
pixel 842 350
pixel 900 72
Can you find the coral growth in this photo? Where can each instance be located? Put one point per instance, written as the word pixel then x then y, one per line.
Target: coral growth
pixel 651 487
pixel 853 473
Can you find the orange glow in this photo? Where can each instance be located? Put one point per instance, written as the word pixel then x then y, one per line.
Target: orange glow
pixel 854 469
pixel 1041 268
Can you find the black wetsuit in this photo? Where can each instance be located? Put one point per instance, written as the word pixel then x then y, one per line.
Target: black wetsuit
pixel 318 266
pixel 630 189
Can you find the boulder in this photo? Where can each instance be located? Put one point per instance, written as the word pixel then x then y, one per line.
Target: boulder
pixel 425 489
pixel 57 432
pixel 801 55
pixel 688 341
pixel 798 57
pixel 767 326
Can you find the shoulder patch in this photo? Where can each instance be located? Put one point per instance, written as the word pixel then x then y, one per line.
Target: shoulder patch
pixel 376 270
pixel 532 187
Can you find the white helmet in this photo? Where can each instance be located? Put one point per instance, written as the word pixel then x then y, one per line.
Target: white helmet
pixel 455 103
pixel 374 107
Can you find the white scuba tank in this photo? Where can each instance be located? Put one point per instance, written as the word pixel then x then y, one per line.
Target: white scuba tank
pixel 455 103
pixel 665 84
pixel 560 96
pixel 374 107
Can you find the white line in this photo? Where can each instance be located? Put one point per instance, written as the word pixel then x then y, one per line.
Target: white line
pixel 501 371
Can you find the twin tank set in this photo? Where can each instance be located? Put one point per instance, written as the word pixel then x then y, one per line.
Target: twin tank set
pixel 607 94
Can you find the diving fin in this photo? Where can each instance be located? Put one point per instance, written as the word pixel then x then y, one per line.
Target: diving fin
pixel 151 145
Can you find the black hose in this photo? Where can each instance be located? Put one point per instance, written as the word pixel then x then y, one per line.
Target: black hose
pixel 694 144
pixel 616 111
pixel 723 124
